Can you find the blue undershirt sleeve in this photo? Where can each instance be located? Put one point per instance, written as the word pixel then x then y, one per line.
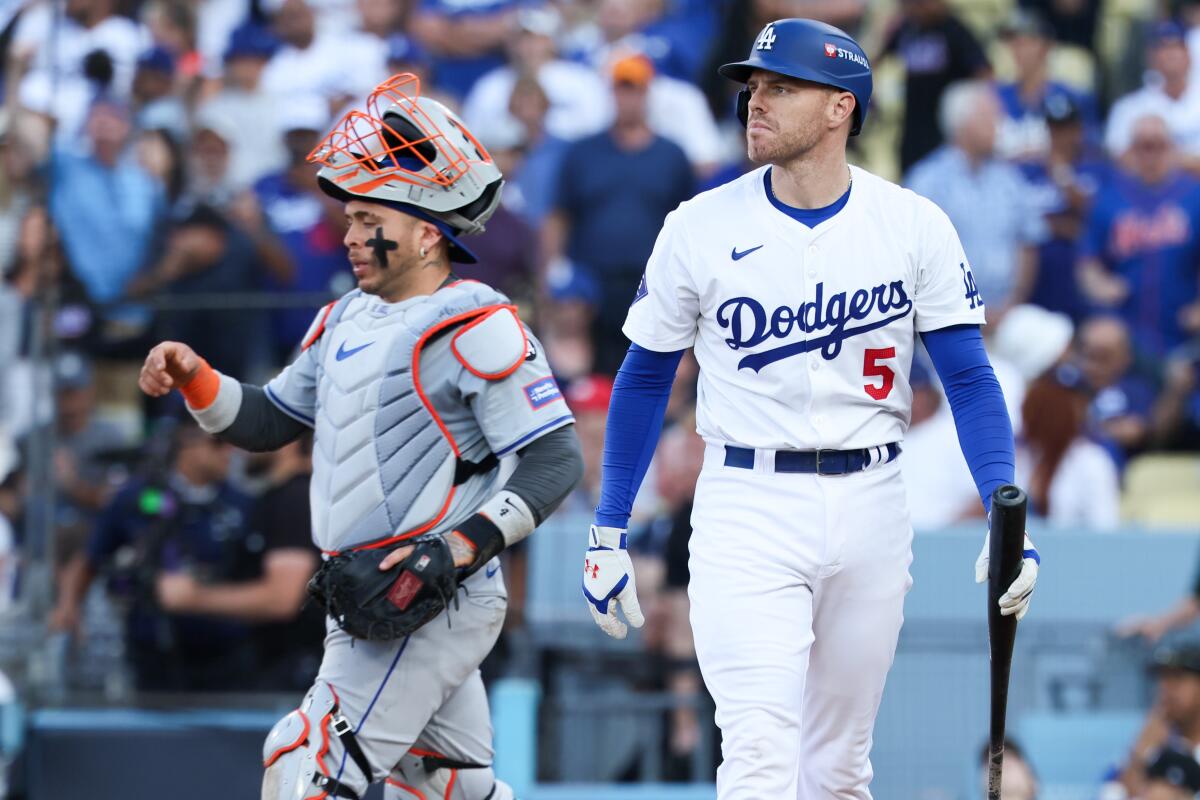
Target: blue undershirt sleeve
pixel 980 415
pixel 635 417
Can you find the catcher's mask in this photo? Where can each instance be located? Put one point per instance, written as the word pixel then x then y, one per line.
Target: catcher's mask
pixel 412 153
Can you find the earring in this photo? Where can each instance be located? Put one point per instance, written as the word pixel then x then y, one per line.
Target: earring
pixel 422 252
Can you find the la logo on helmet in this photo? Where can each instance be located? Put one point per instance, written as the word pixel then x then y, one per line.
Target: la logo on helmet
pixel 766 38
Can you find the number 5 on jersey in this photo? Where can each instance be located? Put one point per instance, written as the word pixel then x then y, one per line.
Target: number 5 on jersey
pixel 873 369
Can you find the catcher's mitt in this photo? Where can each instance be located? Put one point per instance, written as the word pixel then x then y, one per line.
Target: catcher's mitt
pixel 369 604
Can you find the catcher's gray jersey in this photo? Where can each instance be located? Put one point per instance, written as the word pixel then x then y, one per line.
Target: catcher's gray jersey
pixel 409 401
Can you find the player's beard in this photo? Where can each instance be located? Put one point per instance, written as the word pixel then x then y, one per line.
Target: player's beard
pixel 783 144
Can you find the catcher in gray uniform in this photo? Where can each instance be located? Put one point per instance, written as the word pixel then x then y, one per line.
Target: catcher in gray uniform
pixel 416 385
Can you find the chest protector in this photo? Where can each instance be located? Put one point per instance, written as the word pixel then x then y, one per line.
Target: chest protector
pixel 385 467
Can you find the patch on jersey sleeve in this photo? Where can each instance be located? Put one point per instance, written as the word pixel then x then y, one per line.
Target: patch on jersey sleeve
pixel 642 291
pixel 492 346
pixel 542 392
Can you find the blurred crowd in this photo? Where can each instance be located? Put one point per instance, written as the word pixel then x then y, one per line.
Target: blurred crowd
pixel 154 184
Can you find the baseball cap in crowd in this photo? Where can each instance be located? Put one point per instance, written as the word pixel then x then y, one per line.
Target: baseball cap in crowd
pixel 306 112
pixel 72 371
pixel 1032 339
pixel 1060 108
pixel 251 41
pixel 211 118
pixel 1167 31
pixel 1027 22
pixel 1185 657
pixel 540 20
pixel 1176 768
pixel 591 394
pixel 403 49
pixel 157 59
pixel 636 70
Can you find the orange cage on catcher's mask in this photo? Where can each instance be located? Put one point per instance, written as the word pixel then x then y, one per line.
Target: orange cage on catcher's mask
pixel 369 149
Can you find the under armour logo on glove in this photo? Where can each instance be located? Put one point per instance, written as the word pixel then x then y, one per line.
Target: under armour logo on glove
pixel 608 581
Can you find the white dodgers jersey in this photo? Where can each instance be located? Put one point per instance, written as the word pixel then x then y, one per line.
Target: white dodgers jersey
pixel 804 336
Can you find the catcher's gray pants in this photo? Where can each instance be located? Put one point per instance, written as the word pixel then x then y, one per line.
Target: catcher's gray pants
pixel 416 708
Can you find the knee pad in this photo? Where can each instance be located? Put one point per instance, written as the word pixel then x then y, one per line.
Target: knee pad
pixel 296 753
pixel 425 776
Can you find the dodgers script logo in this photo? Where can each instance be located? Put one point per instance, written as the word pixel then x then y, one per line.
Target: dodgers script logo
pixel 750 324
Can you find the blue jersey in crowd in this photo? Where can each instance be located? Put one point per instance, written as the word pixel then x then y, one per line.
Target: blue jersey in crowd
pixel 1056 287
pixel 457 74
pixel 1148 235
pixel 297 217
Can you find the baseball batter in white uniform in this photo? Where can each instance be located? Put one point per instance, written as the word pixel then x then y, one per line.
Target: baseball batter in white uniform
pixel 802 287
pixel 415 384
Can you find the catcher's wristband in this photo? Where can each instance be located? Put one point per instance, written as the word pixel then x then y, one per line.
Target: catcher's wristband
pixel 500 522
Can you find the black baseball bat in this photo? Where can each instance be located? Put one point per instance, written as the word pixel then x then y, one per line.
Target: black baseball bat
pixel 1006 543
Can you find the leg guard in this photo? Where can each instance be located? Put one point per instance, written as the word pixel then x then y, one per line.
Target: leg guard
pixel 297 758
pixel 425 776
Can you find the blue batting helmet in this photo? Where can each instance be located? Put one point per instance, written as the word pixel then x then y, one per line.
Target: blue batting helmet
pixel 811 51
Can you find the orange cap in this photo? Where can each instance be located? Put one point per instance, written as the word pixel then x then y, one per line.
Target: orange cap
pixel 635 69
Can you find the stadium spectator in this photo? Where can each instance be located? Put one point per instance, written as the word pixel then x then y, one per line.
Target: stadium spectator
pixel 624 179
pixel 1018 781
pixel 288 637
pixel 105 207
pixel 159 153
pixel 318 60
pixel 987 199
pixel 937 50
pixel 182 517
pixel 88 51
pixel 85 445
pixel 465 37
pixel 251 111
pixel 1172 775
pixel 289 205
pixel 205 254
pixel 1174 720
pixel 1072 481
pixel 1176 416
pixel 155 102
pixel 405 54
pixel 172 26
pixel 588 398
pixel 1063 183
pixel 1168 93
pixel 536 154
pixel 1023 134
pixel 1073 22
pixel 1122 400
pixel 1142 243
pixel 578 98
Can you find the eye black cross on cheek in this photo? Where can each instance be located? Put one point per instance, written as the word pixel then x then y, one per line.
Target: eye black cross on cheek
pixel 381 246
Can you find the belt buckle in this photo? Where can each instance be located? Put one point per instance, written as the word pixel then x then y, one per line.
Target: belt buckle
pixel 827 454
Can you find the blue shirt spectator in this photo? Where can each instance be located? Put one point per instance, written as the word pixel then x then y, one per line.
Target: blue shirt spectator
pixel 1063 183
pixel 1140 253
pixel 1023 134
pixel 105 207
pixel 465 38
pixel 626 179
pixel 1121 398
pixel 987 199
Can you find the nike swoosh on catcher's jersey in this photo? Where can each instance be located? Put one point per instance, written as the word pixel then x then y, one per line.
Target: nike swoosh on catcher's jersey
pixel 342 353
pixel 736 256
pixel 490 571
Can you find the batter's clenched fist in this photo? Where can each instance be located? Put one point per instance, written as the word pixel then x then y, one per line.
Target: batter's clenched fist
pixel 608 581
pixel 169 365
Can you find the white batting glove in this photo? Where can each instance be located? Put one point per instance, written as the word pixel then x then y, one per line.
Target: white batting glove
pixel 608 581
pixel 1016 599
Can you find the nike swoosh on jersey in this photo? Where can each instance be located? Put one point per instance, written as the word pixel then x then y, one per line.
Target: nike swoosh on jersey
pixel 736 256
pixel 490 571
pixel 342 353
